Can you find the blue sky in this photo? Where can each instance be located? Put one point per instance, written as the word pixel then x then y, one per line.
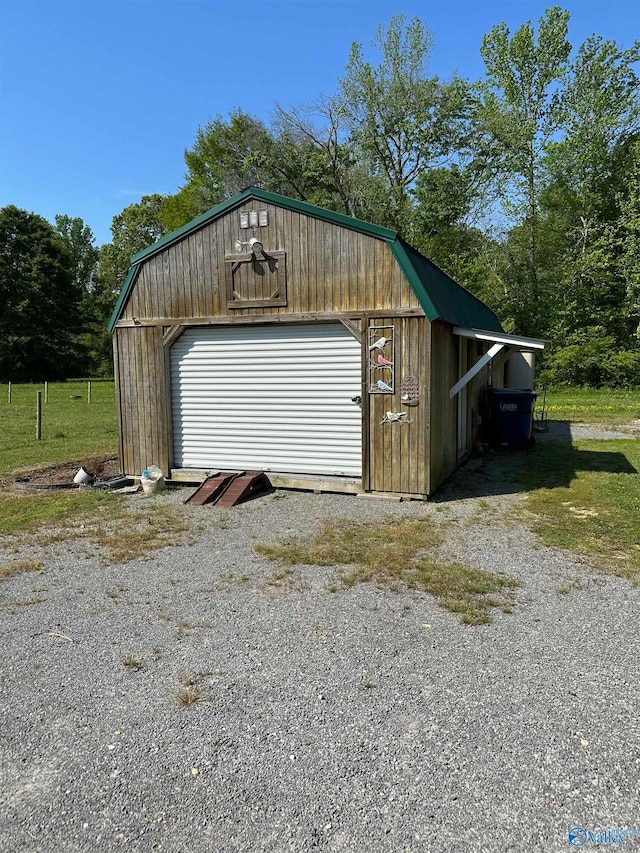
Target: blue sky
pixel 99 98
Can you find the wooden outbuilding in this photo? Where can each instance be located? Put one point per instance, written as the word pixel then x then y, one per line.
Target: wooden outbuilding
pixel 272 335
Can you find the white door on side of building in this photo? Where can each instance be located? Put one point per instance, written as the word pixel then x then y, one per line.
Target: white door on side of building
pixel 268 397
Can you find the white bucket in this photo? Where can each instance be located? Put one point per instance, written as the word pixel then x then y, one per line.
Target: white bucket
pixel 152 480
pixel 83 478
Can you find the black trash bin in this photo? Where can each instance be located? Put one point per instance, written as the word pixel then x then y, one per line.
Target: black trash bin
pixel 511 416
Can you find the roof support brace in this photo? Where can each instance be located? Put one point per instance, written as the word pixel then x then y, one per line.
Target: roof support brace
pixel 524 344
pixel 477 367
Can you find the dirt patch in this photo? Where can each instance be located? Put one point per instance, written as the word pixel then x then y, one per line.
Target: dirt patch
pixel 102 468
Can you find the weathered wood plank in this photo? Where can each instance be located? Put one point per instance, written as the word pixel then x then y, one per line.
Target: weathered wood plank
pixel 162 402
pixel 396 430
pixel 401 367
pixel 117 368
pixel 151 295
pixel 331 269
pixel 268 318
pixel 365 409
pixel 193 283
pixel 213 249
pixel 128 391
pixel 444 369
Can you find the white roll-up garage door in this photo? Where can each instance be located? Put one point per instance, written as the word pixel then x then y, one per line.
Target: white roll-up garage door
pixel 270 398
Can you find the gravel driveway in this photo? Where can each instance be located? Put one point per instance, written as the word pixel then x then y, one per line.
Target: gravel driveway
pixel 357 720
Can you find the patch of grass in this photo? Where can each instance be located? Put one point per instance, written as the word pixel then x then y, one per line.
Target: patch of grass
pixel 471 593
pixel 114 592
pixel 281 578
pixel 25 602
pixel 18 567
pixel 569 586
pixel 399 552
pixel 390 546
pixel 147 530
pixel 125 529
pixel 587 499
pixel 71 427
pixel 590 405
pixel 189 690
pixel 224 583
pixel 27 512
pixel 135 664
pixel 190 694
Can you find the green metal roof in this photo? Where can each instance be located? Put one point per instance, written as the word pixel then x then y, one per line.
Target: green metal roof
pixel 440 297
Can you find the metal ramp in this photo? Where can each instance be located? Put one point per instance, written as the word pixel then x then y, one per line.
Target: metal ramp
pixel 229 488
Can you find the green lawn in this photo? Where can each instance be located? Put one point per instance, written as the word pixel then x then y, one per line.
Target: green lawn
pixel 72 428
pixel 586 497
pixel 588 405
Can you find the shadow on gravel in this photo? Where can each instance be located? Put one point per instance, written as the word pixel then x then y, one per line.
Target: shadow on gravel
pixel 553 462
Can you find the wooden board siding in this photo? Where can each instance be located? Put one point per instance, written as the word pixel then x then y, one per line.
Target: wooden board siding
pixel 142 399
pixel 444 374
pixel 330 269
pixel 330 272
pixel 398 454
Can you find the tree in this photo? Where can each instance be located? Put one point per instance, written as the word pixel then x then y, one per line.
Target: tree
pixel 589 216
pixel 231 154
pixel 79 240
pixel 340 183
pixel 359 152
pixel 93 350
pixel 445 200
pixel 38 300
pixel 226 157
pixel 134 229
pixel 519 113
pixel 400 121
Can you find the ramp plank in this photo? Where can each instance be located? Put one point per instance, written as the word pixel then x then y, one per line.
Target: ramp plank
pixel 212 488
pixel 242 487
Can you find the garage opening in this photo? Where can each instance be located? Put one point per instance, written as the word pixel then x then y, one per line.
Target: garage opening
pixel 269 398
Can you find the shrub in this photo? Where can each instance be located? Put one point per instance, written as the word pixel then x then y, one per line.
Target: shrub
pixel 594 362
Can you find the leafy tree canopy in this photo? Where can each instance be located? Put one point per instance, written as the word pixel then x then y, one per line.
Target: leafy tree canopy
pixel 38 299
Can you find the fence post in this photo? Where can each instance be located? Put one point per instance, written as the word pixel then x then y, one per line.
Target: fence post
pixel 9 393
pixel 89 391
pixel 46 392
pixel 39 416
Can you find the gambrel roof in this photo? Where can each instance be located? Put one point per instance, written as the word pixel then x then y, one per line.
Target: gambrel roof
pixel 440 297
